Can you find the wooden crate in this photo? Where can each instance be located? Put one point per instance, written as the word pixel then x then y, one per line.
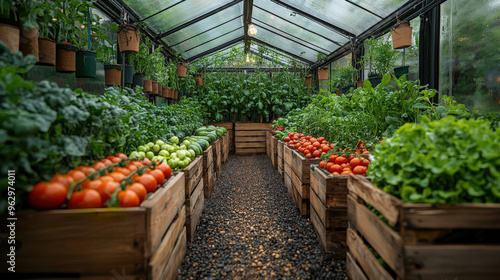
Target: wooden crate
pixel 225 147
pixel 287 155
pixel 274 151
pixel 268 144
pixel 328 197
pixel 432 241
pixel 208 172
pixel 230 131
pixel 251 137
pixel 287 169
pixel 194 174
pixel 145 242
pixel 194 207
pixel 280 148
pixel 301 167
pixel 217 150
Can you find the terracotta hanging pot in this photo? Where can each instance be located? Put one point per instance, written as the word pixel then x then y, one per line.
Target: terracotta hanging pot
pixel 28 43
pixel 9 34
pixel 65 57
pixel 323 73
pixel 86 64
pixel 199 80
pixel 112 74
pixel 46 51
pixel 307 81
pixel 170 93
pixel 164 92
pixel 181 70
pixel 128 39
pixel 154 88
pixel 359 84
pixel 401 35
pixel 148 86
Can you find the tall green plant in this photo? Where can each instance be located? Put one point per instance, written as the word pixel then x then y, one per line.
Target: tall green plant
pixel 379 56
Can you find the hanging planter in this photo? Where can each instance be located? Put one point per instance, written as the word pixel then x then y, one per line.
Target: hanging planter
pixel 9 34
pixel 46 51
pixel 199 80
pixel 170 93
pixel 154 88
pixel 148 86
pixel 65 57
pixel 137 80
pixel 181 70
pixel 28 43
pixel 112 74
pixel 129 74
pixel 128 39
pixel 160 90
pixel 307 81
pixel 401 35
pixel 86 64
pixel 359 84
pixel 323 73
pixel 164 91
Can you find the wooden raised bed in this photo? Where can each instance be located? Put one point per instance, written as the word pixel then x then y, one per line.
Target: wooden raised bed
pixel 230 133
pixel 145 242
pixel 194 195
pixel 301 167
pixel 217 151
pixel 459 241
pixel 268 144
pixel 274 151
pixel 287 169
pixel 225 147
pixel 280 150
pixel 250 137
pixel 208 172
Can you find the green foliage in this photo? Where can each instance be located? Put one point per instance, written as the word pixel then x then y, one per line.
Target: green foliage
pixel 70 16
pixel 445 161
pixel 343 76
pixel 379 56
pixel 104 46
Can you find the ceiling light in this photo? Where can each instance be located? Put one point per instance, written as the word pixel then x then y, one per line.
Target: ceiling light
pixel 252 31
pixel 248 59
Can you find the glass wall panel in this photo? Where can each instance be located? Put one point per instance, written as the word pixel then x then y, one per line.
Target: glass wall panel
pixel 469 56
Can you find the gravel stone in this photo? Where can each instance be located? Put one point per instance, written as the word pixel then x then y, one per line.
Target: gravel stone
pixel 251 229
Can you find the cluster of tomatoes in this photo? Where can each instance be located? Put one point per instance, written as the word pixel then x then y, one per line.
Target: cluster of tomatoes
pixel 96 191
pixel 277 128
pixel 342 165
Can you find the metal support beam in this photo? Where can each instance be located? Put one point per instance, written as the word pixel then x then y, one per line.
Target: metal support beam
pixel 162 10
pixel 247 19
pixel 305 60
pixel 222 46
pixel 429 49
pixel 318 20
pixel 364 9
pixel 202 17
pixel 254 69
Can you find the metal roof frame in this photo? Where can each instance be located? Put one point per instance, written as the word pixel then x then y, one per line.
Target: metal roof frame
pixel 305 60
pixel 212 50
pixel 239 27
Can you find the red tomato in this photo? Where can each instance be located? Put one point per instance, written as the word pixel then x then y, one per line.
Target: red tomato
pixel 86 198
pixel 340 160
pixel 132 168
pixel 47 195
pixel 324 142
pixel 122 155
pixel 137 163
pixel 99 165
pixel 345 165
pixel 322 164
pixel 301 135
pixel 146 161
pixel 128 198
pixel 307 151
pixel 365 162
pixel 116 159
pixel 312 140
pixel 366 153
pixel 287 139
pixel 355 162
pixel 139 189
pixel 317 144
pixel 359 170
pixel 308 137
pixel 316 154
pixel 117 176
pixel 310 147
pixel 301 150
pixel 65 180
pixel 123 170
pixel 106 189
pixel 165 168
pixel 336 168
pixel 321 139
pixel 325 149
pixel 77 175
pixel 346 172
pixel 292 146
pixel 106 162
pixel 94 184
pixel 350 158
pixel 106 178
pixel 86 169
pixel 329 165
pixel 332 158
pixel 158 174
pixel 308 155
pixel 148 180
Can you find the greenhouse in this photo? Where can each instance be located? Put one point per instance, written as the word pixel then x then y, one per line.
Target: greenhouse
pixel 250 139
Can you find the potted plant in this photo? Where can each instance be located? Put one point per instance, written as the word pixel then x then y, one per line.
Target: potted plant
pixel 379 57
pixel 28 11
pixel 181 69
pixel 86 63
pixel 343 78
pixel 9 28
pixel 105 55
pixel 323 73
pixel 307 81
pixel 47 34
pixel 401 35
pixel 199 80
pixel 128 38
pixel 410 53
pixel 140 60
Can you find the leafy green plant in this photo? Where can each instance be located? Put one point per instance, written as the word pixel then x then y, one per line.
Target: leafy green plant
pixel 343 76
pixel 70 16
pixel 104 46
pixel 379 56
pixel 445 161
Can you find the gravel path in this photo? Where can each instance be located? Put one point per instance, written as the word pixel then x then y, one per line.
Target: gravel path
pixel 250 229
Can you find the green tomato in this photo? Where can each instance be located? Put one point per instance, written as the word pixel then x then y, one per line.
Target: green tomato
pixel 173 155
pixel 141 154
pixel 141 149
pixel 174 140
pixel 151 144
pixel 146 148
pixel 156 148
pixel 193 153
pixel 187 161
pixel 173 162
pixel 160 159
pixel 160 143
pixel 133 154
pixel 171 149
pixel 164 146
pixel 150 155
pixel 164 153
pixel 182 147
pixel 186 143
pixel 181 164
pixel 155 158
pixel 181 154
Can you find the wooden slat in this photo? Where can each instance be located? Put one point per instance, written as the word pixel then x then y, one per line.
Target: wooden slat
pixel 193 173
pixel 332 217
pixel 252 126
pixel 240 139
pixel 251 145
pixel 456 216
pixel 178 254
pixel 365 257
pixel 227 125
pixel 453 262
pixel 166 248
pixel 381 237
pixel 353 270
pixel 301 203
pixel 301 187
pixel 208 181
pixel 250 151
pixel 287 155
pixel 250 133
pixel 331 189
pixel 386 204
pixel 287 181
pixel 193 199
pixel 319 228
pixel 302 166
pixel 208 157
pixel 193 221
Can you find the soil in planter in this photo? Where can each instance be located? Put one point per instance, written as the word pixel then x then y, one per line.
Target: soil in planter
pixel 251 229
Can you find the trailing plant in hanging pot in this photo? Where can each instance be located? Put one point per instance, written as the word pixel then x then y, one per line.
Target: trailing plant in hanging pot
pixel 323 73
pixel 28 12
pixel 401 35
pixel 181 69
pixel 9 27
pixel 128 38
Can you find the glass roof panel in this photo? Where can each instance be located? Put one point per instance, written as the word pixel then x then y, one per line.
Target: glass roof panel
pixel 208 35
pixel 233 14
pixel 270 52
pixel 337 12
pixel 281 14
pixel 382 8
pixel 179 12
pixel 285 44
pixel 214 43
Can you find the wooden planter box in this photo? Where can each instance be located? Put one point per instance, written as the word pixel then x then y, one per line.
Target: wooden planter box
pixel 217 151
pixel 433 241
pixel 280 149
pixel 274 151
pixel 145 242
pixel 225 147
pixel 208 172
pixel 301 167
pixel 194 194
pixel 251 137
pixel 268 144
pixel 230 131
pixel 287 169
